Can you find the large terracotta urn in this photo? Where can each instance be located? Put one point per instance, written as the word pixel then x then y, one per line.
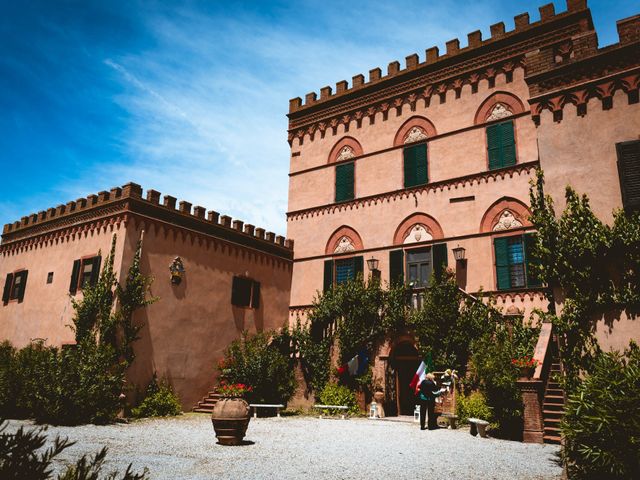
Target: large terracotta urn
pixel 230 419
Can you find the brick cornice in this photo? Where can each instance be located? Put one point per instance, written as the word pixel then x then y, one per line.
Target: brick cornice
pixel 467 180
pixel 452 72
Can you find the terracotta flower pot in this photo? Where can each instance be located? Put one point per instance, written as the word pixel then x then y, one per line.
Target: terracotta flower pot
pixel 230 420
pixel 526 372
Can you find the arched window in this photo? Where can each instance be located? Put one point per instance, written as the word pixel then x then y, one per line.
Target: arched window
pixel 343 154
pixel 413 137
pixel 497 111
pixel 345 265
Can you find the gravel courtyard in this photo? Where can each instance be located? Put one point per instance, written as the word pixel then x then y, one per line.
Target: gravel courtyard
pixel 303 447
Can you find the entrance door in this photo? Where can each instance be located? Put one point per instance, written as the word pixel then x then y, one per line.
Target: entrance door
pixel 407 362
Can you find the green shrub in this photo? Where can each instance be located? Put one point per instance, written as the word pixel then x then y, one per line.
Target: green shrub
pixel 334 394
pixel 263 362
pixel 22 457
pixel 7 379
pixel 159 401
pixel 473 406
pixel 601 426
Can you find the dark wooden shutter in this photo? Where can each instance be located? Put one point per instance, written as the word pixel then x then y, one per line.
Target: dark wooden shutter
pixel 7 288
pixel 255 296
pixel 422 176
pixel 328 275
pixel 344 182
pixel 508 144
pixel 23 284
pixel 530 259
pixel 629 172
pixel 358 266
pixel 494 142
pixel 75 272
pixel 95 271
pixel 440 260
pixel 501 249
pixel 396 266
pixel 409 167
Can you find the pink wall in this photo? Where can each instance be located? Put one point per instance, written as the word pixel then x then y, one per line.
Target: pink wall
pixel 46 311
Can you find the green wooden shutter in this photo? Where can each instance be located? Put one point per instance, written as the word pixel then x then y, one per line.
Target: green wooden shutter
pixel 440 261
pixel 344 182
pixel 629 173
pixel 422 176
pixel 235 291
pixel 529 258
pixel 75 272
pixel 494 142
pixel 500 246
pixel 508 144
pixel 328 275
pixel 409 167
pixel 396 266
pixel 7 288
pixel 23 284
pixel 358 266
pixel 95 271
pixel 255 296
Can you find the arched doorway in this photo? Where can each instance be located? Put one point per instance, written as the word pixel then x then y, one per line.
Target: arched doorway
pixel 406 361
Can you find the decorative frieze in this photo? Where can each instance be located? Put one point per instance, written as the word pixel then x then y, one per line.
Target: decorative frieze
pixel 416 134
pixel 507 221
pixel 498 112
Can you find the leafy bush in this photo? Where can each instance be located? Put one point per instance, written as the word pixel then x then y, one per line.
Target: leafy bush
pixel 601 426
pixel 472 406
pixel 7 378
pixel 159 401
pixel 334 394
pixel 262 361
pixel 22 458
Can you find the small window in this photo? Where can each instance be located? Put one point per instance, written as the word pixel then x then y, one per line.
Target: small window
pixel 49 277
pixel 85 273
pixel 501 145
pixel 513 256
pixel 14 286
pixel 345 270
pixel 342 270
pixel 415 165
pixel 344 182
pixel 629 172
pixel 245 292
pixel 419 267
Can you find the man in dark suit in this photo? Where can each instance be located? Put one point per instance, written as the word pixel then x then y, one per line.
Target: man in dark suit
pixel 428 393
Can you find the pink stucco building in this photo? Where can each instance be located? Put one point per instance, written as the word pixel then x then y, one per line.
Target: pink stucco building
pixel 438 154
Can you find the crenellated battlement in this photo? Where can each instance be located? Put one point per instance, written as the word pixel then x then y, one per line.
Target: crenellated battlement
pixel 433 59
pixel 130 197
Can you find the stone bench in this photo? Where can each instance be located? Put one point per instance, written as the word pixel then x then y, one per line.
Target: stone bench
pixel 452 420
pixel 332 407
pixel 256 406
pixel 478 426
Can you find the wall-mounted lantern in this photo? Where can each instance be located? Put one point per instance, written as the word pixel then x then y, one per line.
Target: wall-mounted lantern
pixel 177 271
pixel 372 263
pixel 459 253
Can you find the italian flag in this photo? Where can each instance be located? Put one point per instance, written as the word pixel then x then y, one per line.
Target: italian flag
pixel 418 377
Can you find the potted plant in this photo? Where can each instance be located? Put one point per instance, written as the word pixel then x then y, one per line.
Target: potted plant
pixel 526 365
pixel 230 415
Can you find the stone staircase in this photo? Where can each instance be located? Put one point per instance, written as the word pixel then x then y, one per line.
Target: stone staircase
pixel 553 407
pixel 207 403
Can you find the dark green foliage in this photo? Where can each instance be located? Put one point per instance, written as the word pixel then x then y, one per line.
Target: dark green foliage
pixel 314 356
pixel 22 457
pixel 262 361
pixel 601 426
pixel 333 394
pixel 7 379
pixel 159 401
pixel 472 406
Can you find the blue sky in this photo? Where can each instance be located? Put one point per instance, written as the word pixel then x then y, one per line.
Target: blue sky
pixel 190 97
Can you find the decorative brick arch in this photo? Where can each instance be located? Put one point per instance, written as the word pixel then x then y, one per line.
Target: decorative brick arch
pixel 422 123
pixel 510 101
pixel 417 218
pixel 349 142
pixel 492 216
pixel 336 237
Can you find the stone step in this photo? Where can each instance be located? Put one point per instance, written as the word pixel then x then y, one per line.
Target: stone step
pixel 553 439
pixel 552 413
pixel 553 399
pixel 201 410
pixel 554 391
pixel 559 407
pixel 552 422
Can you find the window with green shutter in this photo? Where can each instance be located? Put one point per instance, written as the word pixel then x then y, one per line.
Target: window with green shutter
pixel 415 165
pixel 344 182
pixel 514 257
pixel 629 172
pixel 501 145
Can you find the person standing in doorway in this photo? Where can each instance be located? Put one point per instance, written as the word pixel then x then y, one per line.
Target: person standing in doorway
pixel 428 393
